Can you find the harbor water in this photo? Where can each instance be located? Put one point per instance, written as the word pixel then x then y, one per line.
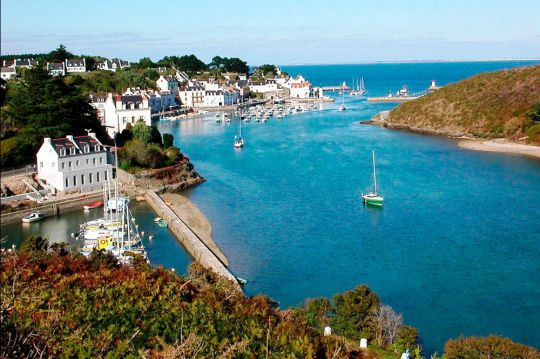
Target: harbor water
pixel 455 248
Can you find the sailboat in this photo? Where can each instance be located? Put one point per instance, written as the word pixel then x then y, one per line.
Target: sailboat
pixel 361 88
pixel 373 197
pixel 238 140
pixel 342 107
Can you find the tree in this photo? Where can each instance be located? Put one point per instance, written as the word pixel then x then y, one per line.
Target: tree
pixel 142 132
pixel 354 312
pixel 316 312
pixel 267 70
pixel 60 54
pixel 387 325
pixel 145 63
pixel 167 140
pixel 44 106
pixel 90 63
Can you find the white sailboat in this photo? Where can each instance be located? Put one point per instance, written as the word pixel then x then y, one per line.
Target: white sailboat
pixel 373 197
pixel 342 107
pixel 361 88
pixel 238 140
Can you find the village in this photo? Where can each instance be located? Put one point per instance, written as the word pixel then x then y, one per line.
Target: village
pixel 176 93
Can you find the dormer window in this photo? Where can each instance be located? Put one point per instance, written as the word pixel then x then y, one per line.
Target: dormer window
pixel 96 148
pixel 86 148
pixel 72 151
pixel 62 151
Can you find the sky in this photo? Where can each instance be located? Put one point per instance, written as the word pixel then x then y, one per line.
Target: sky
pixel 282 32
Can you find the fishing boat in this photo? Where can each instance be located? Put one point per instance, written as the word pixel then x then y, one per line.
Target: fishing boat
pixel 238 140
pixel 93 205
pixel 33 217
pixel 373 198
pixel 242 281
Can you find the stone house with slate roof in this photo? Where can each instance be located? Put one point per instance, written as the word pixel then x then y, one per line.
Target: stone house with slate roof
pixel 76 65
pixel 73 163
pixel 56 68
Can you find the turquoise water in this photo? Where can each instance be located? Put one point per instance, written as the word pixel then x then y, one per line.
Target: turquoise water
pixel 455 248
pixel 163 249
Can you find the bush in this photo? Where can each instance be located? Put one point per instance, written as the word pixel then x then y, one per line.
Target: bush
pixel 534 133
pixel 354 311
pixel 493 347
pixel 35 244
pixel 167 140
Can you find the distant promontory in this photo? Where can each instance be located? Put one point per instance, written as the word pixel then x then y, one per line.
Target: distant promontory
pixel 501 104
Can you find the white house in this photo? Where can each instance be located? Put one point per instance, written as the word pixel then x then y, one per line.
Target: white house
pixel 192 96
pixel 98 102
pixel 167 83
pixel 72 163
pixel 122 110
pixel 263 87
pixel 76 65
pixel 299 87
pixel 118 64
pixel 7 72
pixel 104 65
pixel 56 68
pixel 19 63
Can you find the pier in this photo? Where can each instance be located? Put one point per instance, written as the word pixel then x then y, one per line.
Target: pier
pixel 189 239
pixel 392 99
pixel 336 88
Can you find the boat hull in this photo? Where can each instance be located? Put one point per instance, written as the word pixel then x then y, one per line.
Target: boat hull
pixel 373 200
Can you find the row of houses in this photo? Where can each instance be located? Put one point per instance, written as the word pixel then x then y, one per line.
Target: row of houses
pixel 10 66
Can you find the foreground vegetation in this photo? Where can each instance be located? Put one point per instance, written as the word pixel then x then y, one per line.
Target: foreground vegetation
pixel 58 304
pixel 501 104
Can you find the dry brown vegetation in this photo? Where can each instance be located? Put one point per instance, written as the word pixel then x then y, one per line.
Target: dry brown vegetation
pixel 491 105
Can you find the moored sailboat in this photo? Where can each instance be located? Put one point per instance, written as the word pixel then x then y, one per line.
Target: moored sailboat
pixel 373 198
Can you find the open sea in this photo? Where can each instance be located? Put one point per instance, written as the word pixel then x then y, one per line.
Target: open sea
pixel 455 249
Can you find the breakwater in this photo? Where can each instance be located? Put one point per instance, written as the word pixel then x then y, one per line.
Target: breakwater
pixel 189 239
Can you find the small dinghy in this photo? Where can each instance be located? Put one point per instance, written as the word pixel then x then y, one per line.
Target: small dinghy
pixel 33 217
pixel 93 205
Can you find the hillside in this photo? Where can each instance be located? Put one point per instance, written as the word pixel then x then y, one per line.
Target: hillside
pixel 59 304
pixel 501 104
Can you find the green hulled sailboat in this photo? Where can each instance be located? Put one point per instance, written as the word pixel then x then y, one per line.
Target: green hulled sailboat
pixel 373 197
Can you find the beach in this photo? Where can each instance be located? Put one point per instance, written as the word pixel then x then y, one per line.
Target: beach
pixel 194 219
pixel 500 145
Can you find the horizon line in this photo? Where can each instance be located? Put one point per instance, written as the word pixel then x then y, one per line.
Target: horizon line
pixel 374 62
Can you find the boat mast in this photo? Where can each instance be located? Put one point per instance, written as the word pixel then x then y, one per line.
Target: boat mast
pixel 374 173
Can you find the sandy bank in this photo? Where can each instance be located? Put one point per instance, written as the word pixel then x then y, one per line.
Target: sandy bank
pixel 500 145
pixel 194 219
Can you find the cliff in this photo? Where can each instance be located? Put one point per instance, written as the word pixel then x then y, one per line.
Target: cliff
pixel 501 104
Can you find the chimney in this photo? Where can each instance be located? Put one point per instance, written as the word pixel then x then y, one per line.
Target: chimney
pixel 93 135
pixel 47 140
pixel 70 138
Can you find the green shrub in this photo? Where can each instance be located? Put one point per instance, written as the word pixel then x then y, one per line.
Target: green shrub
pixel 493 347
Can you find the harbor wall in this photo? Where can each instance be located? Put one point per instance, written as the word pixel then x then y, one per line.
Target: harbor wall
pixel 52 209
pixel 189 239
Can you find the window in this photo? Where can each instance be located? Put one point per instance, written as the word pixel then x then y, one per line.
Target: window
pixel 94 161
pixel 62 151
pixel 82 180
pixel 77 162
pixel 101 160
pixel 41 165
pixel 53 164
pixel 69 164
pixel 106 176
pixel 87 161
pixel 86 148
pixel 67 182
pixel 90 178
pixel 74 180
pixel 72 151
pixel 63 165
pixel 97 176
pixel 96 148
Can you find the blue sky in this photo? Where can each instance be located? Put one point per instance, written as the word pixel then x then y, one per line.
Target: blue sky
pixel 280 32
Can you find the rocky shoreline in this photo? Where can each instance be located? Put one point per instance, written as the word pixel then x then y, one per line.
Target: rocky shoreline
pixel 466 141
